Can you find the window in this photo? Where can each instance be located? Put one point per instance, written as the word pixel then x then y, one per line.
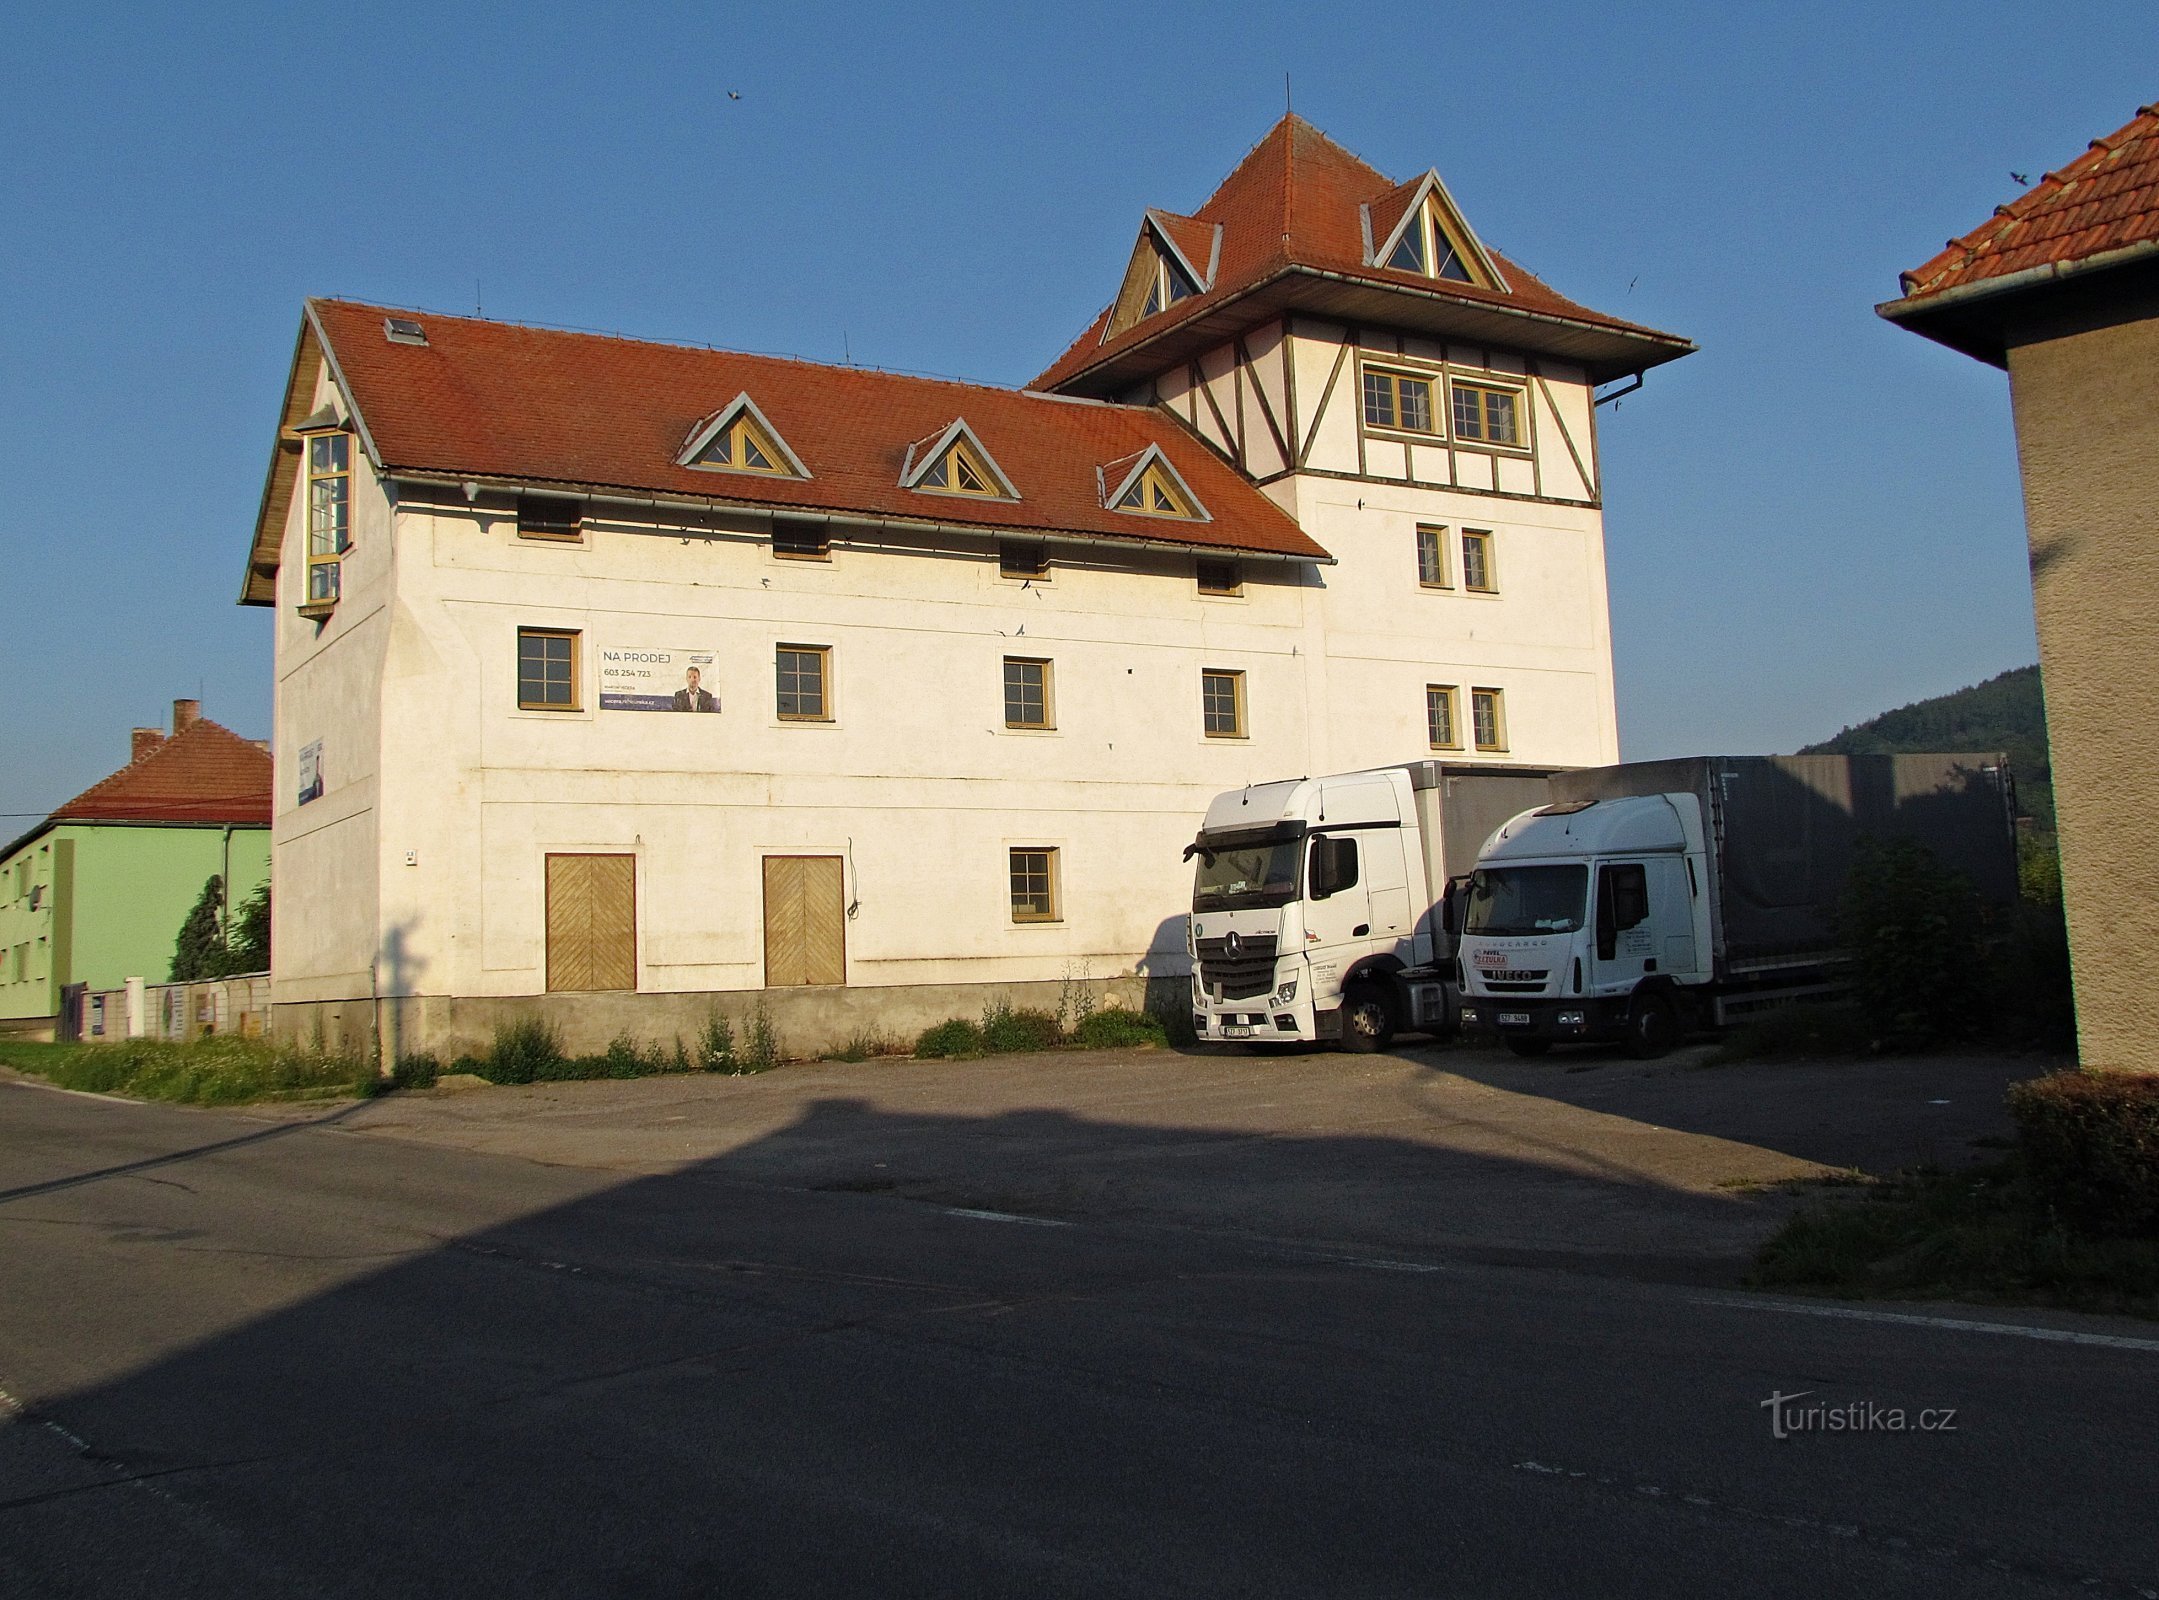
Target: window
pixel 1221 700
pixel 800 541
pixel 1333 866
pixel 741 445
pixel 559 520
pixel 1157 493
pixel 1019 559
pixel 1486 415
pixel 802 671
pixel 1220 578
pixel 1171 284
pixel 1034 885
pixel 959 471
pixel 1426 247
pixel 329 513
pixel 1397 400
pixel 1027 694
pixel 1442 723
pixel 1622 903
pixel 1478 572
pixel 1488 719
pixel 1432 557
pixel 546 669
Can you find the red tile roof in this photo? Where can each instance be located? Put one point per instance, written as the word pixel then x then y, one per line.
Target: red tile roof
pixel 203 773
pixel 1295 201
pixel 2107 199
pixel 500 401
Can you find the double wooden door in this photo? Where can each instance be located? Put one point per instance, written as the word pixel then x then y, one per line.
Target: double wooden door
pixel 591 922
pixel 805 921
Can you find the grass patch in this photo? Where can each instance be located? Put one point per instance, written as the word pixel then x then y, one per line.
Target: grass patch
pixel 1979 1234
pixel 865 1044
pixel 220 1070
pixel 1118 1029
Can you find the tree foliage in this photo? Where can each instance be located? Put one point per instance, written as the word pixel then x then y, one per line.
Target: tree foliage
pixel 203 949
pixel 2006 713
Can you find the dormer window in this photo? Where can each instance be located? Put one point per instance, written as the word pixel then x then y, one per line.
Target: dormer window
pixel 1146 485
pixel 1428 237
pixel 955 462
pixel 738 438
pixel 1426 248
pixel 1171 284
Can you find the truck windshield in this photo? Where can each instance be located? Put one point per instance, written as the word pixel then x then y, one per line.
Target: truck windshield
pixel 1247 872
pixel 1522 900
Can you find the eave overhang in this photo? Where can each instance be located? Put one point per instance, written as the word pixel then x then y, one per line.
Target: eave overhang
pixel 1983 319
pixel 1603 352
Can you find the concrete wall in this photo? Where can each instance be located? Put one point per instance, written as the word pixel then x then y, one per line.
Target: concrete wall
pixel 2088 437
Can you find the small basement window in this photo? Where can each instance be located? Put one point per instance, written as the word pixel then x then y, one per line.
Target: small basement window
pixel 801 541
pixel 1220 578
pixel 558 521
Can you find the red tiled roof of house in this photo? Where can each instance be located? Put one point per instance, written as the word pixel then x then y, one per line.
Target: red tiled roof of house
pixel 1295 201
pixel 2107 199
pixel 203 773
pixel 497 400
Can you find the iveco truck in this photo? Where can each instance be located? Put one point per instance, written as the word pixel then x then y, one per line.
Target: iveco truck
pixel 1646 899
pixel 1315 901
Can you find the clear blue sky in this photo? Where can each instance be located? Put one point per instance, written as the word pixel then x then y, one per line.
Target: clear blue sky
pixel 1814 519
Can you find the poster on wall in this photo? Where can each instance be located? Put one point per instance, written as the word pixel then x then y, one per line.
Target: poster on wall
pixel 310 772
pixel 658 680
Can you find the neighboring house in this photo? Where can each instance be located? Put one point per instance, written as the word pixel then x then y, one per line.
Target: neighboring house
pixel 2061 287
pixel 971 660
pixel 96 893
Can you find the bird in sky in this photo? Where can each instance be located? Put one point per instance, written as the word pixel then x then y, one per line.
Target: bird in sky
pixel 2022 181
pixel 734 94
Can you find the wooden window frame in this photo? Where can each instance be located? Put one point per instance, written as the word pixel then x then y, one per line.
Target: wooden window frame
pixel 1484 540
pixel 823 653
pixel 550 519
pixel 576 639
pixel 1482 439
pixel 947 461
pixel 1049 693
pixel 330 564
pixel 1233 590
pixel 1052 890
pixel 1394 378
pixel 1434 535
pixel 1011 553
pixel 1448 695
pixel 1498 701
pixel 1242 727
pixel 740 428
pixel 1155 481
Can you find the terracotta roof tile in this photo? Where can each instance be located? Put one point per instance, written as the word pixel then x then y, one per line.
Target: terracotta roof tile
pixel 2106 199
pixel 499 400
pixel 1296 200
pixel 203 773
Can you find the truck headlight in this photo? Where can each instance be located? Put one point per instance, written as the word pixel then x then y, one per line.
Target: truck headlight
pixel 1286 993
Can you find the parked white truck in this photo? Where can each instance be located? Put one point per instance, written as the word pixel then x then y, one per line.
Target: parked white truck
pixel 1649 898
pixel 1315 901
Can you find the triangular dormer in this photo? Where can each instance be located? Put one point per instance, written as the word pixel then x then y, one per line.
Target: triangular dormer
pixel 1146 485
pixel 955 462
pixel 739 438
pixel 1174 259
pixel 1418 228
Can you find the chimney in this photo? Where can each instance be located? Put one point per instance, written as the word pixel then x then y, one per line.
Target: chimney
pixel 141 741
pixel 185 714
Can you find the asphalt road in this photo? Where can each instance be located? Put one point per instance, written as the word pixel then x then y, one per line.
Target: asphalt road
pixel 348 1355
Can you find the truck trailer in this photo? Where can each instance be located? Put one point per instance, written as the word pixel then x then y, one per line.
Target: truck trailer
pixel 1651 897
pixel 1315 901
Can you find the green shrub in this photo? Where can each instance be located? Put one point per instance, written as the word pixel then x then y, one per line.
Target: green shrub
pixel 1118 1029
pixel 2091 1146
pixel 762 1047
pixel 415 1072
pixel 2035 1003
pixel 1005 1029
pixel 716 1044
pixel 862 1045
pixel 1917 938
pixel 625 1058
pixel 527 1050
pixel 1076 999
pixel 959 1037
pixel 680 1061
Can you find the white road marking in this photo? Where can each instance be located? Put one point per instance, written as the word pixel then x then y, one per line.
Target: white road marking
pixel 1005 1216
pixel 1382 1264
pixel 2015 1330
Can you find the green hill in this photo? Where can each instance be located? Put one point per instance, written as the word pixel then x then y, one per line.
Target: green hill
pixel 2005 713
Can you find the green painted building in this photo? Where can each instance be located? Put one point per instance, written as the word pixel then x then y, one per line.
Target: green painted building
pixel 96 893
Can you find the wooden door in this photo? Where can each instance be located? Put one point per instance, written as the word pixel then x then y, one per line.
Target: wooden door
pixel 805 921
pixel 591 922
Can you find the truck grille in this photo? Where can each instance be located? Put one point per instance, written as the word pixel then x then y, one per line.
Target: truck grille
pixel 1250 972
pixel 1519 980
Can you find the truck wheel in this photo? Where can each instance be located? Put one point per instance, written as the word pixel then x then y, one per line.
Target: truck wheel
pixel 1367 1018
pixel 1524 1044
pixel 1652 1027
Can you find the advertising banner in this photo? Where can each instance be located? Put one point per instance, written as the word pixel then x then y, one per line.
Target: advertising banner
pixel 310 771
pixel 658 680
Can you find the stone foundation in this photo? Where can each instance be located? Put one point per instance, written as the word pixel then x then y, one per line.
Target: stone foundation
pixel 809 1021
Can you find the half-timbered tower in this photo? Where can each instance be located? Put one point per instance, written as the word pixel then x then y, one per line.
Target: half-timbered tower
pixel 964 664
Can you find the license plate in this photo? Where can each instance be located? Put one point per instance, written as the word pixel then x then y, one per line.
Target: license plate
pixel 1236 1030
pixel 1514 1019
